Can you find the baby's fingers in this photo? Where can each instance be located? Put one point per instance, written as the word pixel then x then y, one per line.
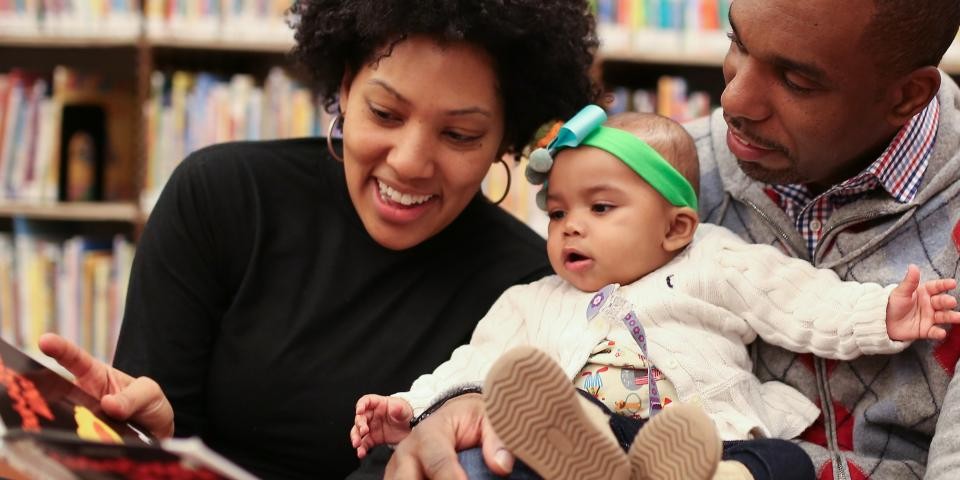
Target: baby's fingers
pixel 940 286
pixel 946 317
pixel 943 302
pixel 355 436
pixel 366 402
pixel 361 423
pixel 936 333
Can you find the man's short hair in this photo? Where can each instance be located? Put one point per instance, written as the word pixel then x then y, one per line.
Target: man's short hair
pixel 908 34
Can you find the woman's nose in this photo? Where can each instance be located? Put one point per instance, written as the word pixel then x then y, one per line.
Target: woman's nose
pixel 413 155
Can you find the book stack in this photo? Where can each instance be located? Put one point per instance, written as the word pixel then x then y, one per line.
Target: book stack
pixel 187 111
pixel 666 27
pixel 219 20
pixel 63 283
pixel 670 99
pixel 71 18
pixel 55 125
pixel 28 137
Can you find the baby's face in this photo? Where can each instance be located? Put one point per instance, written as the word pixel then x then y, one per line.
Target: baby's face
pixel 607 224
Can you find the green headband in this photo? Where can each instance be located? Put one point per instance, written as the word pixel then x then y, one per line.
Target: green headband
pixel 644 160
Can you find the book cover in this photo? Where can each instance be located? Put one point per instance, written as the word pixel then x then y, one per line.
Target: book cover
pixel 53 429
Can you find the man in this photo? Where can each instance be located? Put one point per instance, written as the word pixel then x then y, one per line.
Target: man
pixel 838 140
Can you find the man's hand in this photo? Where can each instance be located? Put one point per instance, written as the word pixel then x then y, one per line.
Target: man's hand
pixel 430 451
pixel 379 420
pixel 914 310
pixel 121 396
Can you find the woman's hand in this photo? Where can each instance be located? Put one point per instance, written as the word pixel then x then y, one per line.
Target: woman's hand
pixel 123 397
pixel 430 451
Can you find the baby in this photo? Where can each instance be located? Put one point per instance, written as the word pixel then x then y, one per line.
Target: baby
pixel 651 311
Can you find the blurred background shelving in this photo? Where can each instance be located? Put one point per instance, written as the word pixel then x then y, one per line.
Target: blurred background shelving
pixel 101 99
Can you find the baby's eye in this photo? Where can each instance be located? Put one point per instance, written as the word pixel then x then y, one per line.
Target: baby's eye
pixel 556 214
pixel 601 207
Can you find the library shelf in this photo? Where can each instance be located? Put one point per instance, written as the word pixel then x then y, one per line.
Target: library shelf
pixel 274 45
pixel 74 211
pixel 68 41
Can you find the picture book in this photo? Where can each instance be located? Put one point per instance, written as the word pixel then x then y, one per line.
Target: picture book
pixel 50 428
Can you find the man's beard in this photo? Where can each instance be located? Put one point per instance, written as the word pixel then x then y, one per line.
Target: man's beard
pixel 776 177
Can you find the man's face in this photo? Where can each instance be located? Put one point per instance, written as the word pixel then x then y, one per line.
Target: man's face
pixel 803 99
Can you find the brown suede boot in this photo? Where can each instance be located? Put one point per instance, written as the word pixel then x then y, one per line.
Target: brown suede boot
pixel 679 443
pixel 536 411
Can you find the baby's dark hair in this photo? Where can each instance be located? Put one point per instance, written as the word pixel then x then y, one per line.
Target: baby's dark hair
pixel 542 49
pixel 667 137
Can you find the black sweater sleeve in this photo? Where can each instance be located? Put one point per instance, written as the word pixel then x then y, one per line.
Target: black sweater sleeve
pixel 178 290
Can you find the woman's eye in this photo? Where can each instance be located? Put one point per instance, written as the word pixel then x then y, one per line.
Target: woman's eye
pixel 461 138
pixel 381 114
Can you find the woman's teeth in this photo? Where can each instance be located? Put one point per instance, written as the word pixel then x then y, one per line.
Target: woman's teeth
pixel 405 199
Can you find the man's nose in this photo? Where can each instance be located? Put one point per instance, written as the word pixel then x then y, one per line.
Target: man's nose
pixel 746 94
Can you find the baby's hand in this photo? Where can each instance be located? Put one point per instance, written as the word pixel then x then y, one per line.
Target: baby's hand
pixel 915 309
pixel 379 420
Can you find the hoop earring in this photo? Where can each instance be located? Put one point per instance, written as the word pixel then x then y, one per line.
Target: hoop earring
pixel 338 118
pixel 506 191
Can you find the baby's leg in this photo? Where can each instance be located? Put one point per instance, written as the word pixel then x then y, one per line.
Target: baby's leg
pixel 540 417
pixel 679 443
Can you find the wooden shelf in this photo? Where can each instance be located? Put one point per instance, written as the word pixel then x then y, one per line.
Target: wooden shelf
pixel 93 41
pixel 664 57
pixel 245 45
pixel 58 41
pixel 77 211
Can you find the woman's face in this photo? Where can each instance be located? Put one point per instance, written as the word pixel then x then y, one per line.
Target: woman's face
pixel 421 128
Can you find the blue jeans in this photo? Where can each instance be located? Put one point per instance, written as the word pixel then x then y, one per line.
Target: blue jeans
pixel 766 458
pixel 472 462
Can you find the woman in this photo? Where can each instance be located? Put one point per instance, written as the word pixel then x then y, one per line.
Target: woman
pixel 276 282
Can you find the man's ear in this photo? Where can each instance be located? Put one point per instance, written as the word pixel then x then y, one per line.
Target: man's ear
pixel 682 227
pixel 912 93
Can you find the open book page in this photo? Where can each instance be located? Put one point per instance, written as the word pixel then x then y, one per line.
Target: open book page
pixel 35 399
pixel 59 457
pixel 51 429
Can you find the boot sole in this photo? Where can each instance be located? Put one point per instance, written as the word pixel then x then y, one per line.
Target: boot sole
pixel 679 443
pixel 535 410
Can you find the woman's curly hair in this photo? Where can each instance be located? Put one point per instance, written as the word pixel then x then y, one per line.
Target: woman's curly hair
pixel 542 49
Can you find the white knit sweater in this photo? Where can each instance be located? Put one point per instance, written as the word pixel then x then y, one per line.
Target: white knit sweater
pixel 699 312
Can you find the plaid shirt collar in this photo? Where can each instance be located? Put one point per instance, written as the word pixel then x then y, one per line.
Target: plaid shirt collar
pixel 898 171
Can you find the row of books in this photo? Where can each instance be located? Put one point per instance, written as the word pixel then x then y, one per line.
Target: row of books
pixel 72 285
pixel 64 136
pixel 27 124
pixel 218 19
pixel 670 99
pixel 110 18
pixel 187 111
pixel 693 26
pixel 192 19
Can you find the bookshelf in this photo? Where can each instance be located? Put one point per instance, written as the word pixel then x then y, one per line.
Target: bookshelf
pixel 149 56
pixel 65 252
